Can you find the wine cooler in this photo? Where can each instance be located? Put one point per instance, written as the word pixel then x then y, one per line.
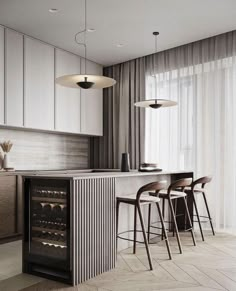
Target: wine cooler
pixel 47 237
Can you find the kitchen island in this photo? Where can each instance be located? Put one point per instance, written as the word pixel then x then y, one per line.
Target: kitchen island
pixel 69 220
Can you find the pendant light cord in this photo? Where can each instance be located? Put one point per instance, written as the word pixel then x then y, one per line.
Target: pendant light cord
pixel 84 31
pixel 155 35
pixel 154 66
pixel 155 44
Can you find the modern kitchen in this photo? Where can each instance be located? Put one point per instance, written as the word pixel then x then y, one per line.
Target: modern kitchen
pixel 117 145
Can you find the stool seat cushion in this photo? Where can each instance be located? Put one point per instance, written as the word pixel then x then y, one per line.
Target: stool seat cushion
pixel 143 199
pixel 173 194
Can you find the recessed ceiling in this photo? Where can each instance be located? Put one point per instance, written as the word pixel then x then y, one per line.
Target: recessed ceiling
pixel 126 22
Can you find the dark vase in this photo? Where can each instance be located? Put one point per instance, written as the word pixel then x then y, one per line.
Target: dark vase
pixel 125 163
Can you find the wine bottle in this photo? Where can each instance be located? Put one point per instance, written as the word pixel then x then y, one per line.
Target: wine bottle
pixel 37 207
pixel 57 213
pixel 64 213
pixel 46 212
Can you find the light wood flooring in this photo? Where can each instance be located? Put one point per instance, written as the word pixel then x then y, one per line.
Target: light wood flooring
pixel 211 265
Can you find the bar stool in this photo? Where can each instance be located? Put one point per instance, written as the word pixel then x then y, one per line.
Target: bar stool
pixel 198 187
pixel 174 192
pixel 137 200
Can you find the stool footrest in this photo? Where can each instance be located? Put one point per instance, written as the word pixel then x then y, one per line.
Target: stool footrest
pixel 181 214
pixel 203 216
pixel 201 221
pixel 129 239
pixel 188 229
pixel 166 221
pixel 137 241
pixel 170 229
pixel 155 227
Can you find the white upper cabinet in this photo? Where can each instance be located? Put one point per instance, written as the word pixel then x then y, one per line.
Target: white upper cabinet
pixel 13 78
pixel 39 84
pixel 92 103
pixel 67 100
pixel 1 75
pixel 29 96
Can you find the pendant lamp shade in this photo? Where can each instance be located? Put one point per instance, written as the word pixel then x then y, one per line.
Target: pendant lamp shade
pixel 85 81
pixel 76 81
pixel 155 103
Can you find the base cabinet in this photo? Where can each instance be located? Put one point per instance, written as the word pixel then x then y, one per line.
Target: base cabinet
pixel 10 203
pixel 2 103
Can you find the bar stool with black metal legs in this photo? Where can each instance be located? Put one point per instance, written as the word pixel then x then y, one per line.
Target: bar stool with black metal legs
pixel 172 196
pixel 137 200
pixel 198 187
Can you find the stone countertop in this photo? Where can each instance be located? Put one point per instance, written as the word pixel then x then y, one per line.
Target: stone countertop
pixel 90 173
pixel 40 172
pixel 8 173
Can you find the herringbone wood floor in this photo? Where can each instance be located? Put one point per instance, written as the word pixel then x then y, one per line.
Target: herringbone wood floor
pixel 211 265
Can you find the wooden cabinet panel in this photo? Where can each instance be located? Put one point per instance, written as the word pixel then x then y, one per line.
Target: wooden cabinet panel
pixel 13 78
pixel 1 75
pixel 8 206
pixel 19 204
pixel 67 99
pixel 92 104
pixel 39 84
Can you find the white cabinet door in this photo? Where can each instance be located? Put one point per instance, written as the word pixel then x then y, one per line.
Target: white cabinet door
pixel 67 99
pixel 1 75
pixel 13 78
pixel 39 85
pixel 92 104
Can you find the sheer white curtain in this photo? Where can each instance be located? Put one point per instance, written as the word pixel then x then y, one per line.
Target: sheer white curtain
pixel 199 134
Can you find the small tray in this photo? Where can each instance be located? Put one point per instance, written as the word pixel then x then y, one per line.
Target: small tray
pixel 150 170
pixel 9 169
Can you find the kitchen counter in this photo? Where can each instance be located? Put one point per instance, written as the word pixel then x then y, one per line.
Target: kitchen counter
pixel 95 173
pixel 86 173
pixel 91 231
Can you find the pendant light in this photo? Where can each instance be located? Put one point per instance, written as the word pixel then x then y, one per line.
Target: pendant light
pixel 85 81
pixel 155 103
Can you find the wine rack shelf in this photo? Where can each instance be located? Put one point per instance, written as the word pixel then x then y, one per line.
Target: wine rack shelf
pixel 48 199
pixel 53 242
pixel 37 228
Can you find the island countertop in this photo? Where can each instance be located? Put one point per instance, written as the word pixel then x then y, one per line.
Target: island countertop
pixel 96 173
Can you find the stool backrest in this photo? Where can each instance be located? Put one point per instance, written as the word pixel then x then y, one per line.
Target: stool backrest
pixel 180 184
pixel 202 180
pixel 153 186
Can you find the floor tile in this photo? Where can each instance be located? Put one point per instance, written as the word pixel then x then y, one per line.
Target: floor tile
pixel 200 277
pixel 211 265
pixel 18 282
pixel 220 278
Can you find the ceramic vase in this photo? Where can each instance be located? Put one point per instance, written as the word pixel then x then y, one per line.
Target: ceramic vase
pixel 125 165
pixel 5 161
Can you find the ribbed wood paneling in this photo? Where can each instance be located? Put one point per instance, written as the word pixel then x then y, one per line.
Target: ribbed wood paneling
pixel 94 250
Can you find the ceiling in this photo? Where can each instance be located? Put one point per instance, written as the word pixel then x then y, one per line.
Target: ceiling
pixel 130 22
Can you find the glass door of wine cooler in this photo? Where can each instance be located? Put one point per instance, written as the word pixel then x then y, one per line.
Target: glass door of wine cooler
pixel 48 227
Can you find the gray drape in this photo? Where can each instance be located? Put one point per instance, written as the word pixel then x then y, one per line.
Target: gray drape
pixel 123 122
pixel 198 52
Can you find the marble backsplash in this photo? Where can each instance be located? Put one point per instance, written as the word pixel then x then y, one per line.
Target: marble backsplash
pixel 45 151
